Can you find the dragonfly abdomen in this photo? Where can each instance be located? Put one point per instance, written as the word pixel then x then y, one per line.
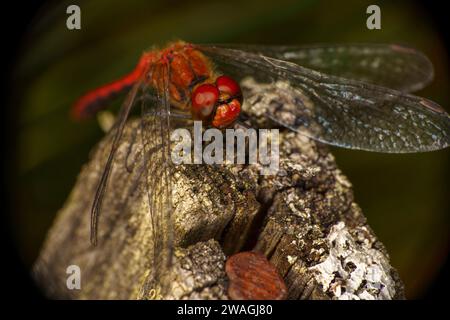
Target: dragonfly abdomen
pixel 97 99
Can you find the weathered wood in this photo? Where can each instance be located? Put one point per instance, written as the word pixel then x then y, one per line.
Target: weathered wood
pixel 304 220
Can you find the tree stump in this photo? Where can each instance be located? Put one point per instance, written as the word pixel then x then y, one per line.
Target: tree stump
pixel 304 219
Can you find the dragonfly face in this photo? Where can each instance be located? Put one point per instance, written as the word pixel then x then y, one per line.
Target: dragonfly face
pixel 218 104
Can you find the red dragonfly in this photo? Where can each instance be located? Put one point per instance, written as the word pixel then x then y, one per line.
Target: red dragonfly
pixel 353 96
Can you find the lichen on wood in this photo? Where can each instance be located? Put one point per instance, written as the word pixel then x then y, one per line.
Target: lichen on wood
pixel 304 219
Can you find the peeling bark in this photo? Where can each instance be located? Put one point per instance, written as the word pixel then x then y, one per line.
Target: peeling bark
pixel 304 220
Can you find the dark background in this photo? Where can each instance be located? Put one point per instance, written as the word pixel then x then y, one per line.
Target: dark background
pixel 405 197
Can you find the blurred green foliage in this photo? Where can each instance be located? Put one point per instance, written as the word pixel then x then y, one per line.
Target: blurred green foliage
pixel 405 197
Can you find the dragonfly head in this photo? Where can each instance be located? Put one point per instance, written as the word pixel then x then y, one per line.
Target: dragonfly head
pixel 219 103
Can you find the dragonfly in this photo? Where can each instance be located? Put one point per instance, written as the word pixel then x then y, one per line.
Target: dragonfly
pixel 355 96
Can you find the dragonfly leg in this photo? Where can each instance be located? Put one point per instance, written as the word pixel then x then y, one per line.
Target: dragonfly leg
pixel 182 115
pixel 240 124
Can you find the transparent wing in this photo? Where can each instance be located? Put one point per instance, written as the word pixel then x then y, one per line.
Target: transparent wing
pixel 101 188
pixel 392 66
pixel 155 134
pixel 338 111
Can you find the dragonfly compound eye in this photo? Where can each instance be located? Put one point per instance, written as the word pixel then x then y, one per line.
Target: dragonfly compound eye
pixel 203 100
pixel 228 86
